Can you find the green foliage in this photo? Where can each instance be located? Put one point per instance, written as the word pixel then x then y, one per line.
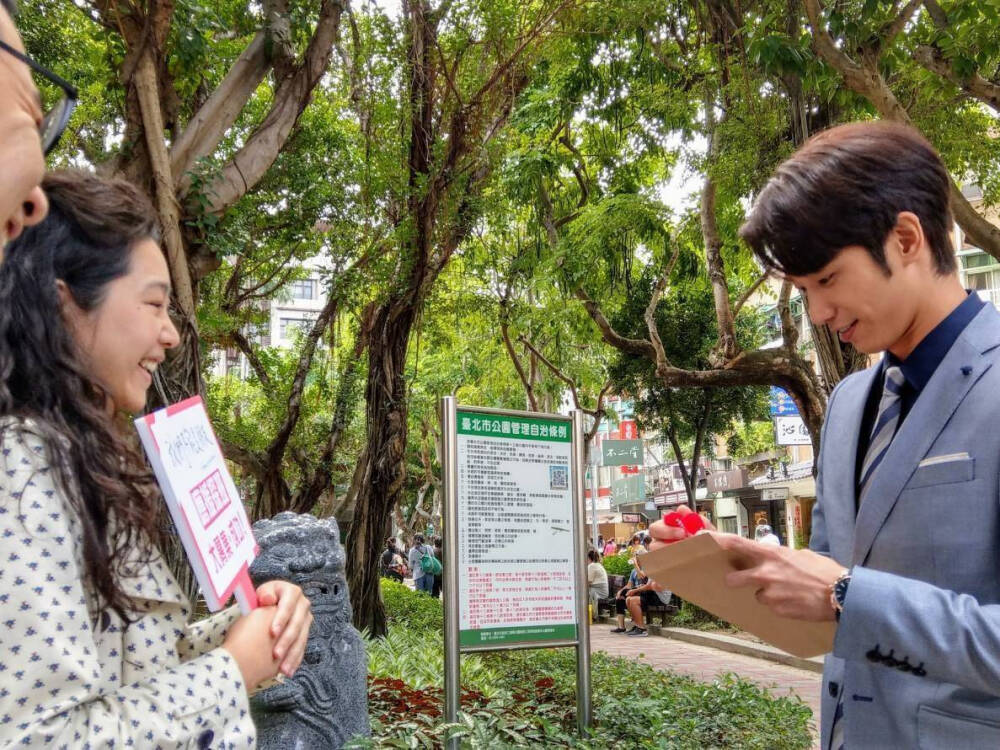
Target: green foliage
pixel 526 698
pixel 410 609
pixel 751 438
pixel 617 565
pixel 694 617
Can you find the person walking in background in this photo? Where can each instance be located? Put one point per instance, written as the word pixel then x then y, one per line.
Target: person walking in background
pixel 610 548
pixel 597 580
pixel 421 581
pixel 765 535
pixel 438 579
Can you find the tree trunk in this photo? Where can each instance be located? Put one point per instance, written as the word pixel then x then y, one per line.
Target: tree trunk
pixel 380 482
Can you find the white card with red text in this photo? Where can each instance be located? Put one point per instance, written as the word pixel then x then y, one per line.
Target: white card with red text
pixel 203 500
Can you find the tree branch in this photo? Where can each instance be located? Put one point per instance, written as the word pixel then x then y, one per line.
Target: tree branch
pixel 789 331
pixel 891 30
pixel 243 344
pixel 974 85
pixel 257 155
pixel 641 347
pixel 245 458
pixel 598 412
pixel 650 314
pixel 529 389
pixel 311 490
pixel 147 89
pixel 749 293
pixel 209 124
pixel 727 347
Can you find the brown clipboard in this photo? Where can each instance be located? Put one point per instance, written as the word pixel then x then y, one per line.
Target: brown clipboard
pixel 695 569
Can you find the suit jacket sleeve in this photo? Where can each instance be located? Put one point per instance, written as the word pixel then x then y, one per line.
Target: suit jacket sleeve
pixel 949 635
pixel 819 542
pixel 58 687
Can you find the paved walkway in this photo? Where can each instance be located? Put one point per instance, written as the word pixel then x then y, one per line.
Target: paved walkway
pixel 704 663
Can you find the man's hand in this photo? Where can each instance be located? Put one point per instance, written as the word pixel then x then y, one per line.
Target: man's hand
pixel 663 535
pixel 793 583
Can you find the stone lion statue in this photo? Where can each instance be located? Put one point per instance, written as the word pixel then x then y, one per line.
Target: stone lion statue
pixel 326 702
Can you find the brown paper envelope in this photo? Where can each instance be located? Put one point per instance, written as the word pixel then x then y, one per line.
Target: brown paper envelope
pixel 695 569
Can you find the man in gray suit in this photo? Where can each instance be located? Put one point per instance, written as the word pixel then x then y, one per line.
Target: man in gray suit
pixel 905 550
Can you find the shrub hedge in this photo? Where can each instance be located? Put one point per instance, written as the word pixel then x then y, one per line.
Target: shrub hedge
pixel 617 565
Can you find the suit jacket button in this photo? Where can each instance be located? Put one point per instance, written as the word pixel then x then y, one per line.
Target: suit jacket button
pixel 205 739
pixel 920 671
pixel 834 688
pixel 904 666
pixel 888 660
pixel 874 654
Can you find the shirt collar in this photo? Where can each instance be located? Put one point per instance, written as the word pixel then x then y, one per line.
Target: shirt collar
pixel 928 354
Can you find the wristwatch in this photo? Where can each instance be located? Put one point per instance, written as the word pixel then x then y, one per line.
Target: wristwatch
pixel 838 593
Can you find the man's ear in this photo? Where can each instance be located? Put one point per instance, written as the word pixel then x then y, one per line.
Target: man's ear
pixel 909 239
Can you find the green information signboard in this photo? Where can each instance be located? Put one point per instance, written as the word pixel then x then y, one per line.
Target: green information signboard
pixel 516 536
pixel 621 452
pixel 631 489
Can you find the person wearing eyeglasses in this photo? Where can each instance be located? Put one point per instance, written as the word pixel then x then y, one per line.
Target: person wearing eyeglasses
pixel 27 133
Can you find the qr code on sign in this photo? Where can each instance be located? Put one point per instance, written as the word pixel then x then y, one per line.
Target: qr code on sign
pixel 559 477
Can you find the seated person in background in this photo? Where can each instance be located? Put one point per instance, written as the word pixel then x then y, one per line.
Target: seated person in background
pixel 635 579
pixel 392 562
pixel 640 599
pixel 597 580
pixel 101 655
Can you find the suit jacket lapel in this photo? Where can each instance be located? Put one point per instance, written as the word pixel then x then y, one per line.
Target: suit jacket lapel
pixel 839 501
pixel 962 366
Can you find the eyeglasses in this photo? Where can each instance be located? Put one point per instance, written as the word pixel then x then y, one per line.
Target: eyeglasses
pixel 56 119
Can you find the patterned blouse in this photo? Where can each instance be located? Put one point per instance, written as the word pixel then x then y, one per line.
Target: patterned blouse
pixel 74 677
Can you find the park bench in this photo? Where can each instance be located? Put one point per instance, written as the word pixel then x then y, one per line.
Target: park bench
pixel 662 610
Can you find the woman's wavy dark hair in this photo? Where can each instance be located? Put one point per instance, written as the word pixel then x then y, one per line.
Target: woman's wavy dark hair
pixel 86 242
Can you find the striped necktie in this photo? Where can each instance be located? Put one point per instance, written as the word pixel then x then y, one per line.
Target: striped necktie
pixel 886 423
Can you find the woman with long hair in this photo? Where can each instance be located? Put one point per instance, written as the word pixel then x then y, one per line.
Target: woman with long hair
pixel 94 645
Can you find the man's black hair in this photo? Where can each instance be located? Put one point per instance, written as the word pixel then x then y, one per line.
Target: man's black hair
pixel 845 187
pixel 10 6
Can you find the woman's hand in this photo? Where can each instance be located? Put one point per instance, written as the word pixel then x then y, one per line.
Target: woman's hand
pixel 291 622
pixel 272 638
pixel 250 643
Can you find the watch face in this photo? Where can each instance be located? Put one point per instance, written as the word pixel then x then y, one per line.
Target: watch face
pixel 840 590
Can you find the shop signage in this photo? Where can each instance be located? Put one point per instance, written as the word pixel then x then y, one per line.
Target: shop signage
pixel 774 493
pixel 621 452
pixel 781 403
pixel 720 481
pixel 670 498
pixel 791 431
